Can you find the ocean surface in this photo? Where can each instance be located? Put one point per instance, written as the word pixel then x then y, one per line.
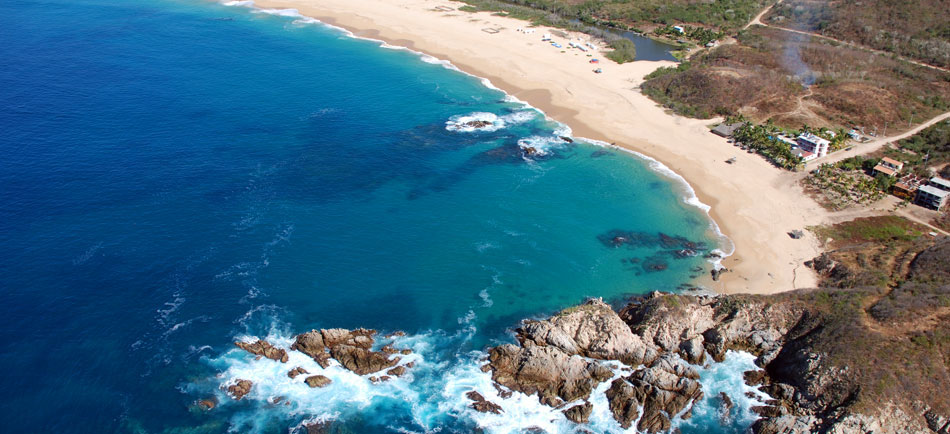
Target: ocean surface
pixel 177 175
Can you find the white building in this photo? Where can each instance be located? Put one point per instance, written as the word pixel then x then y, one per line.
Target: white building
pixel 814 144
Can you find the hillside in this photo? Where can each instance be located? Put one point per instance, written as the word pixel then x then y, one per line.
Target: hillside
pixel 795 79
pixel 645 14
pixel 919 29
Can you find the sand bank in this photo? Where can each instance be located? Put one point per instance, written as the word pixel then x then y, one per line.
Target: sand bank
pixel 755 204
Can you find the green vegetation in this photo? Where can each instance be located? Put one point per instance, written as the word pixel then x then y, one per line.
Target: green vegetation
pixel 623 51
pixel 701 35
pixel 879 229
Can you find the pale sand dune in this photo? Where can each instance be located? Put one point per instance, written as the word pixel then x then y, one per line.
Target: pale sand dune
pixel 754 203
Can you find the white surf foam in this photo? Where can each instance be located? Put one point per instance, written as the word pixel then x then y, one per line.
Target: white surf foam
pixel 462 123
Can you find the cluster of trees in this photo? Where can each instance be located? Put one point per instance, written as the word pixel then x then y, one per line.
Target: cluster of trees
pixel 764 140
pixel 624 51
pixel 701 35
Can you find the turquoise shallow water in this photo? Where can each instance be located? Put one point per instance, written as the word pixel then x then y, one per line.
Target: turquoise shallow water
pixel 176 175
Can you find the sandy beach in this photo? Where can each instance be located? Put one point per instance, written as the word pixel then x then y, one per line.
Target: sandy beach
pixel 754 204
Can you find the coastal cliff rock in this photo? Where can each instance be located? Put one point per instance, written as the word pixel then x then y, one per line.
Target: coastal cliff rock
pixel 554 362
pixel 264 348
pixel 579 413
pixel 352 348
pixel 553 375
pixel 590 330
pixel 666 388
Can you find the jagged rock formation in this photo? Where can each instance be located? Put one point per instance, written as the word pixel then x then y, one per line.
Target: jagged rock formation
pixel 293 373
pixel 240 388
pixel 579 413
pixel 479 403
pixel 352 348
pixel 553 362
pixel 264 348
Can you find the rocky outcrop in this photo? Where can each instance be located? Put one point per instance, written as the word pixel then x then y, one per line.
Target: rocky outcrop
pixel 362 361
pixel 293 373
pixel 352 348
pixel 265 349
pixel 548 372
pixel 590 330
pixel 317 381
pixel 559 360
pixel 667 387
pixel 579 413
pixel 240 388
pixel 480 404
pixel 562 359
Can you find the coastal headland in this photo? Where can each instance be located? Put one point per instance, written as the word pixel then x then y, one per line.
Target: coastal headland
pixel 754 204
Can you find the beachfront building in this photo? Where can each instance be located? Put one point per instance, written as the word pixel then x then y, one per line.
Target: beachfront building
pixel 906 187
pixel 814 144
pixel 933 195
pixel 889 167
pixel 803 154
pixel 726 130
pixel 940 183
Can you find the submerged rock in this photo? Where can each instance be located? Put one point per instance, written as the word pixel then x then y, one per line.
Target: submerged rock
pixel 208 404
pixel 264 348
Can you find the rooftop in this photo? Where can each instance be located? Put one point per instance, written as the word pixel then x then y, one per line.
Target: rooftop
pixel 943 183
pixel 885 170
pixel 725 129
pixel 892 162
pixel 809 137
pixel 934 191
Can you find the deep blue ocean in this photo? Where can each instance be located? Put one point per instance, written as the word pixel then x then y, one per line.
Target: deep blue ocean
pixel 177 175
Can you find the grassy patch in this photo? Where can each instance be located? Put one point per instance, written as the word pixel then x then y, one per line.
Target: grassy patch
pixel 878 229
